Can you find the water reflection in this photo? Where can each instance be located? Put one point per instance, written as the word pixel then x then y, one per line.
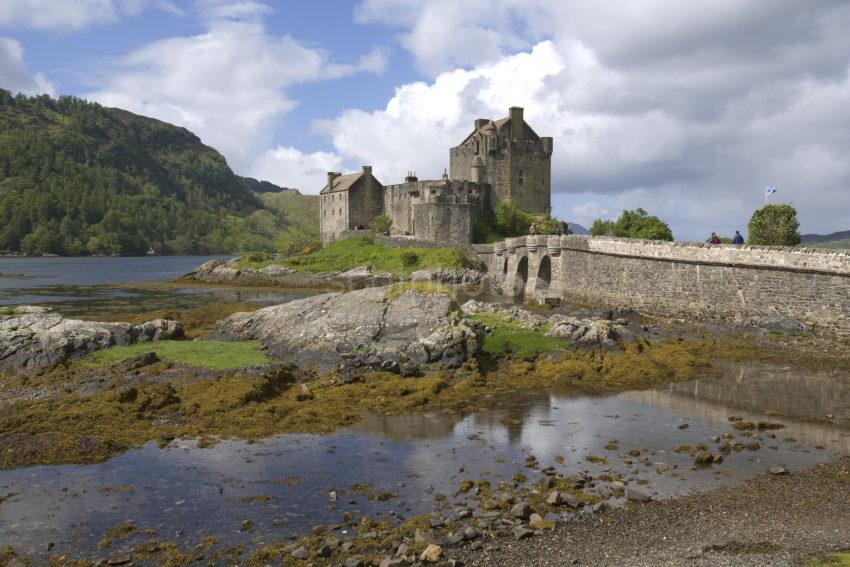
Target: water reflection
pixel 185 493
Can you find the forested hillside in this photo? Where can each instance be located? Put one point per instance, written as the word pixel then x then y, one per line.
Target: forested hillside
pixel 77 178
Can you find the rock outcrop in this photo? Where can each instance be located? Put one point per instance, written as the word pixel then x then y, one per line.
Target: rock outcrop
pixel 457 276
pixel 218 271
pixel 594 332
pixel 368 329
pixel 35 338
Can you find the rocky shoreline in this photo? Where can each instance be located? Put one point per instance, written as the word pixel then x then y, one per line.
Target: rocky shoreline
pixel 232 273
pixel 33 337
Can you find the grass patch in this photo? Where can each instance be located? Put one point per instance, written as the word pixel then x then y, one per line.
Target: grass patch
pixel 358 251
pixel 207 354
pixel 511 338
pixel 421 287
pixel 7 311
pixel 837 559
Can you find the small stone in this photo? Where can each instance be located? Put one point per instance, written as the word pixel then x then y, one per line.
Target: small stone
pixel 777 469
pixel 522 532
pixel 555 498
pixel 521 510
pixel 347 546
pixel 470 533
pixel 304 392
pixel 432 553
pixel 703 459
pixel 455 538
pixel 402 549
pixel 476 545
pixel 636 495
pixel 246 526
pixel 352 562
pixel 325 551
pixel 120 559
pixel 301 553
pixel 572 501
pixel 333 495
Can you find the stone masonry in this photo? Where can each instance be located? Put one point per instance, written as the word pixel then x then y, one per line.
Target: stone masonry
pixel 499 160
pixel 740 284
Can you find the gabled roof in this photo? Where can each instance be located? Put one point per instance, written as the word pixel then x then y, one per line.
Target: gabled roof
pixel 500 124
pixel 342 183
pixel 345 182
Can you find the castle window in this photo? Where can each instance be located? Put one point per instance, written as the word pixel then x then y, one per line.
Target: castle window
pixel 340 212
pixel 520 177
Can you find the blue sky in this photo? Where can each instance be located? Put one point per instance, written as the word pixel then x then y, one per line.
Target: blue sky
pixel 687 110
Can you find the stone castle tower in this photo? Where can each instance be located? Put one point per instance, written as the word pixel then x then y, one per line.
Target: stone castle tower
pixel 499 160
pixel 509 156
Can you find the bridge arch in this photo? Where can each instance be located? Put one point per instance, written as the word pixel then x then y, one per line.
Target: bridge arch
pixel 544 274
pixel 521 276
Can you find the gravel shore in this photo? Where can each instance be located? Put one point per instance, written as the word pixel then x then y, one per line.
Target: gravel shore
pixel 771 520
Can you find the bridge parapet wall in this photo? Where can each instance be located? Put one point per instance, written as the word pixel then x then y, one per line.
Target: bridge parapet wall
pixel 691 280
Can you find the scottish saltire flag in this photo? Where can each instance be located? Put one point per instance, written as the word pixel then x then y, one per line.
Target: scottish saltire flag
pixel 770 190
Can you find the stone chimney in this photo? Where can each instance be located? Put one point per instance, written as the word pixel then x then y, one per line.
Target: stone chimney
pixel 517 122
pixel 479 123
pixel 411 177
pixel 331 176
pixel 547 145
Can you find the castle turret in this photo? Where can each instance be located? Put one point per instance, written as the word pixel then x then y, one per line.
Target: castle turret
pixel 476 171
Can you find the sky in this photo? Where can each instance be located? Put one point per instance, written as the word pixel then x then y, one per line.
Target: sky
pixel 686 109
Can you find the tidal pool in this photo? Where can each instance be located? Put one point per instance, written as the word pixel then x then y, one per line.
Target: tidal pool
pixel 282 484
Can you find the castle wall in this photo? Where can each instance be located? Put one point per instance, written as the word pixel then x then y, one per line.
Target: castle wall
pixel 367 200
pixel 695 281
pixel 445 222
pixel 334 215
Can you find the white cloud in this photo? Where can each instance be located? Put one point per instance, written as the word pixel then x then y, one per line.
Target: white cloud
pixel 71 15
pixel 290 167
pixel 14 75
pixel 685 109
pixel 228 85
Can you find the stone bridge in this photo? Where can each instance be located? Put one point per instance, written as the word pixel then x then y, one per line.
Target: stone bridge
pixel 678 279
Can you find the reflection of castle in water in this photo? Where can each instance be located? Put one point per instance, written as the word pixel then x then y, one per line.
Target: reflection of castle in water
pixel 750 389
pixel 758 387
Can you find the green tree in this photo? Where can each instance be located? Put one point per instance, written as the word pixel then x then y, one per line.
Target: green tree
pixel 633 224
pixel 382 224
pixel 510 219
pixel 295 240
pixel 774 225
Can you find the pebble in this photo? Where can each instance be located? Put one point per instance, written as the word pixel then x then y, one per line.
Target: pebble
pixel 636 495
pixel 432 553
pixel 522 532
pixel 301 553
pixel 777 469
pixel 521 510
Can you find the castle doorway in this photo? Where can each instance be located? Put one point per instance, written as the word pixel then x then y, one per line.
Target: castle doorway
pixel 521 276
pixel 544 274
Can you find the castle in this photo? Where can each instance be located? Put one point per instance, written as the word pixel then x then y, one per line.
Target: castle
pixel 498 160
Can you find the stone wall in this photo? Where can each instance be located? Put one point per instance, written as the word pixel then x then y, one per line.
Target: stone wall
pixel 334 215
pixel 731 283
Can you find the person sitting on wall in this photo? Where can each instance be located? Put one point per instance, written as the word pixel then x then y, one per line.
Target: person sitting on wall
pixel 531 230
pixel 737 239
pixel 713 239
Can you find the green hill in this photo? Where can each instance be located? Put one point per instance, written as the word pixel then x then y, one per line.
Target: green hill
pixel 78 178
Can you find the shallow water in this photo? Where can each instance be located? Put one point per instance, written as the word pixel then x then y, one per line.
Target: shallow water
pixel 184 492
pixel 98 286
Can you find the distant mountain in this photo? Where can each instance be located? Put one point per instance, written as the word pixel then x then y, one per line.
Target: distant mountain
pixel 577 228
pixel 258 186
pixel 77 178
pixel 809 238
